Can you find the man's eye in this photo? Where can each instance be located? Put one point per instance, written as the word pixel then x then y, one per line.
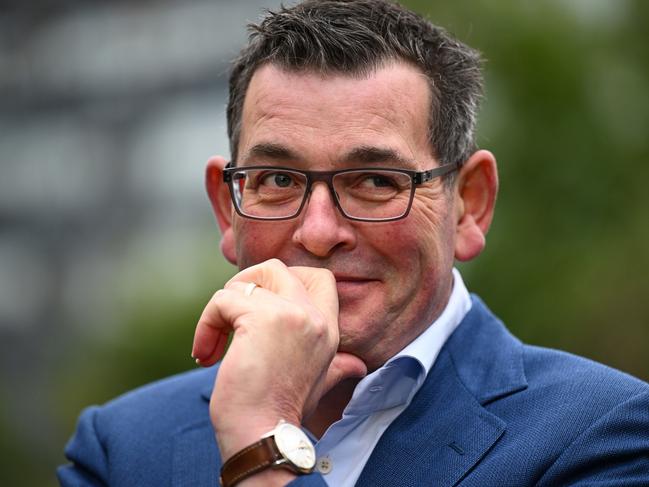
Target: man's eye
pixel 378 181
pixel 277 179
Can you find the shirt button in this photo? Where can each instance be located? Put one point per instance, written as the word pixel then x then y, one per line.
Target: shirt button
pixel 376 388
pixel 324 465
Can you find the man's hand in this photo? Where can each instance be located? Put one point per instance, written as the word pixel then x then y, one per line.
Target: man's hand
pixel 283 357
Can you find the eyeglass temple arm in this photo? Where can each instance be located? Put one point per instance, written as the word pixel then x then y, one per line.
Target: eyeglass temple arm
pixel 422 177
pixel 228 176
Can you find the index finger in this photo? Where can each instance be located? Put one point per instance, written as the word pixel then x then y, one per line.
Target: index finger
pixel 211 334
pixel 274 276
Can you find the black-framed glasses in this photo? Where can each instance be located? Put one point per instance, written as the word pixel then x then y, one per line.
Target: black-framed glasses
pixel 374 194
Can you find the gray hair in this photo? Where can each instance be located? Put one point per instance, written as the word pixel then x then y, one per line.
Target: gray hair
pixel 355 37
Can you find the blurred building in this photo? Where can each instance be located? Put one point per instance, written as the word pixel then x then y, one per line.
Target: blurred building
pixel 108 112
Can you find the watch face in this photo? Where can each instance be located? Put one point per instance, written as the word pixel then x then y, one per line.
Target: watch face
pixel 295 446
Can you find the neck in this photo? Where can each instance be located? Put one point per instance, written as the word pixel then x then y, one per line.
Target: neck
pixel 330 408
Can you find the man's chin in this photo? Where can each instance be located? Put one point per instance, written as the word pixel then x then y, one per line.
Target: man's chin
pixel 357 340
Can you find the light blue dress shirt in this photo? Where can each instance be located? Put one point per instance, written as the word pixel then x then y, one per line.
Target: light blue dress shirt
pixel 384 394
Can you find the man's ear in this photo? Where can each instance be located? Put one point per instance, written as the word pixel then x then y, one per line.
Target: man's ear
pixel 475 197
pixel 219 195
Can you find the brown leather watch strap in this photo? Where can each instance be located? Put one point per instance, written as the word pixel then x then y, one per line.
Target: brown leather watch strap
pixel 252 459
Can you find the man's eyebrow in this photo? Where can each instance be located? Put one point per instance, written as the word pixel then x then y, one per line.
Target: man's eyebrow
pixel 269 150
pixel 374 155
pixel 365 154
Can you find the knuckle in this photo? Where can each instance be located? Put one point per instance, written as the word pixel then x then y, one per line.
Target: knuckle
pixel 232 282
pixel 297 317
pixel 219 295
pixel 271 270
pixel 275 264
pixel 319 325
pixel 324 274
pixel 299 320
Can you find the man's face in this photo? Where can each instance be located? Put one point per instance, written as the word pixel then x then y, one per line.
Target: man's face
pixel 393 278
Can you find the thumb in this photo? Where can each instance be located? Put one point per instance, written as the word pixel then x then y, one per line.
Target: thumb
pixel 343 366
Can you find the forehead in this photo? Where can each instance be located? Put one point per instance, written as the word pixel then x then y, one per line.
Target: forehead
pixel 321 117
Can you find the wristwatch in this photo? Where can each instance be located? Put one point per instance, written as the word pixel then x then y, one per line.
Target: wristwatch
pixel 286 446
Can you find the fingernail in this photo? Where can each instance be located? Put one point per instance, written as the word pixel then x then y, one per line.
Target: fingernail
pixel 198 361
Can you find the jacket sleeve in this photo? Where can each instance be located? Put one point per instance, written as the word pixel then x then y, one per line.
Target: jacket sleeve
pixel 313 480
pixel 614 451
pixel 89 464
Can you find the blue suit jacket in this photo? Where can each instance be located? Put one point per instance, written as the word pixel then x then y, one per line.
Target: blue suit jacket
pixel 492 412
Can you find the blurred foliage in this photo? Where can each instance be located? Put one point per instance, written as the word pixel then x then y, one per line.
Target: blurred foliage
pixel 566 114
pixel 566 265
pixel 152 340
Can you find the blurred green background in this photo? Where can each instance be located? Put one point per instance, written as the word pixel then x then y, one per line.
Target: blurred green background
pixel 566 263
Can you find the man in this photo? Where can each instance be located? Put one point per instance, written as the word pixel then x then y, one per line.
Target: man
pixel 354 184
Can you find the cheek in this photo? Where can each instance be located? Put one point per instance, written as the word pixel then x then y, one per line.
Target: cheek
pixel 258 241
pixel 433 232
pixel 403 246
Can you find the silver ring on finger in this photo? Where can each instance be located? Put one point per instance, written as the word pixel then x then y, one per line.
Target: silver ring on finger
pixel 250 287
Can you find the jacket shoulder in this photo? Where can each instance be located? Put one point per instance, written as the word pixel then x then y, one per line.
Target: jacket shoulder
pixel 156 411
pixel 134 439
pixel 576 392
pixel 181 391
pixel 547 366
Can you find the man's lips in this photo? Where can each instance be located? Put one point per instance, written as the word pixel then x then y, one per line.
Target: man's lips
pixel 352 279
pixel 353 286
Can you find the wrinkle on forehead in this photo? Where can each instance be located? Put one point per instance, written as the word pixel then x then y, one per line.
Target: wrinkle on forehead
pixel 389 108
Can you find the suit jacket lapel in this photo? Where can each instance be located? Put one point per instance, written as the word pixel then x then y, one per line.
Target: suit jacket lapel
pixel 446 430
pixel 487 358
pixel 442 434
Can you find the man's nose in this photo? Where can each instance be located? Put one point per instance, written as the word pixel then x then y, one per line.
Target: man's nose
pixel 322 228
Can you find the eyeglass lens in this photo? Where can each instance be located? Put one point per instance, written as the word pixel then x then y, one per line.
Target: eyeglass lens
pixel 272 193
